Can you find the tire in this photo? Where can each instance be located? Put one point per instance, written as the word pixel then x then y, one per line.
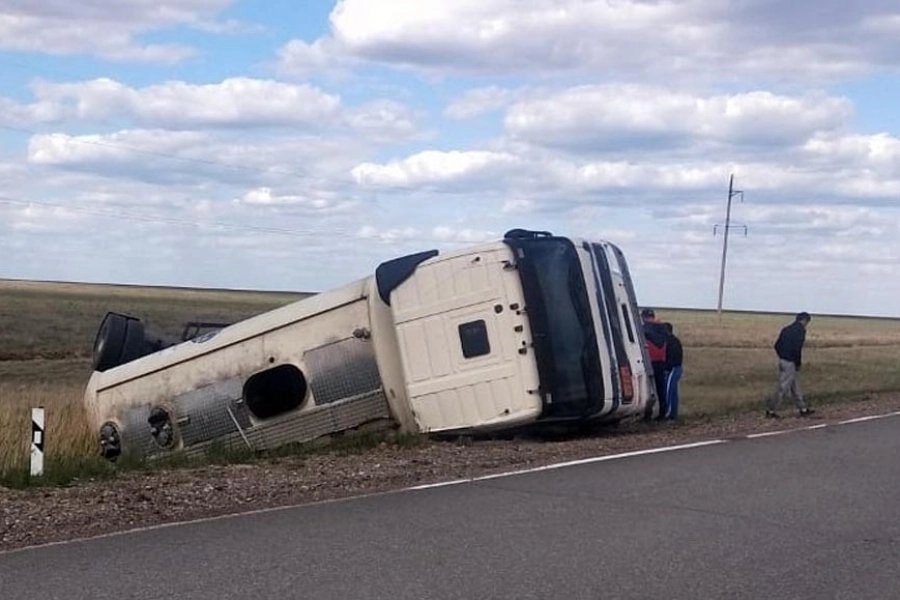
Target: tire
pixel 110 341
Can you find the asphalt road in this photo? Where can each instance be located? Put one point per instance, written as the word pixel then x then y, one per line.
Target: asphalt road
pixel 814 514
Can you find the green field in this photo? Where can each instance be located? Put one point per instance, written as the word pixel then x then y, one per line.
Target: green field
pixel 47 330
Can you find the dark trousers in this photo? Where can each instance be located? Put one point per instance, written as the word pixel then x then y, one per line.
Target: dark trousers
pixel 659 379
pixel 672 390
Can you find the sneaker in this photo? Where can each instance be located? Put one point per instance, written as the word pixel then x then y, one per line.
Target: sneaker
pixel 805 412
pixel 771 414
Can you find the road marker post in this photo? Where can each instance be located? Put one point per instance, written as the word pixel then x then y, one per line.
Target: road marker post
pixel 37 441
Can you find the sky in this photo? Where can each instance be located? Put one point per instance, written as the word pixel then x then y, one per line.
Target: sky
pixel 295 145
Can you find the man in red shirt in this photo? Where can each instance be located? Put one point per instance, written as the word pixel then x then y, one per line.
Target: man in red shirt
pixel 656 335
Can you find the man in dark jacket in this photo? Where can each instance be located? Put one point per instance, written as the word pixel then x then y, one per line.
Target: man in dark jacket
pixel 789 348
pixel 656 335
pixel 674 359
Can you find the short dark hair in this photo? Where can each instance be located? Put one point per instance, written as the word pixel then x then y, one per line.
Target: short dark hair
pixel 803 316
pixel 648 313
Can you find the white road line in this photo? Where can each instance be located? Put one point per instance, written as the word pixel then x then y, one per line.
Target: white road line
pixel 869 418
pixel 561 465
pixel 583 461
pixel 753 436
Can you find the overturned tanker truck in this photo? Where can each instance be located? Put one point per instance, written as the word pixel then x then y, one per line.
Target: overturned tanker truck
pixel 528 330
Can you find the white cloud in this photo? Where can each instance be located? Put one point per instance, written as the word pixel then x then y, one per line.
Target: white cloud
pixel 478 101
pixel 264 196
pixel 879 153
pixel 530 175
pixel 627 38
pixel 883 23
pixel 313 164
pixel 442 236
pixel 13 114
pixel 478 33
pixel 235 102
pixel 315 203
pixel 370 232
pixel 447 233
pixel 383 120
pixel 121 147
pixel 610 117
pixel 542 182
pixel 39 219
pixel 227 27
pixel 434 167
pixel 518 206
pixel 239 103
pixel 300 58
pixel 52 36
pixel 105 28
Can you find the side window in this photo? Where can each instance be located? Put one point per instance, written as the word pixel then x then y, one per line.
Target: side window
pixel 627 319
pixel 474 339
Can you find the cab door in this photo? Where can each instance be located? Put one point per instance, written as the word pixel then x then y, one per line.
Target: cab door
pixel 465 343
pixel 631 321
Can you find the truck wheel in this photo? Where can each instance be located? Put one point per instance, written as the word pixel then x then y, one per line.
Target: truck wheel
pixel 110 341
pixel 110 441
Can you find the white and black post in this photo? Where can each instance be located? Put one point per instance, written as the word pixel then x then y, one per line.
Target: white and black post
pixel 37 442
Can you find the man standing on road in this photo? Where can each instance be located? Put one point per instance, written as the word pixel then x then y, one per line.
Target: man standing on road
pixel 789 348
pixel 656 335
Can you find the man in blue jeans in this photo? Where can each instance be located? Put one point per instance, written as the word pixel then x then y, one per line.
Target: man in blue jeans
pixel 674 359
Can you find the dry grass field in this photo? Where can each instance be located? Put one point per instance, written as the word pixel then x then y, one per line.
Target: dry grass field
pixel 47 329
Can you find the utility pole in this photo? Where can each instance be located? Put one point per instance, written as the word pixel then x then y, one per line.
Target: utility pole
pixel 731 194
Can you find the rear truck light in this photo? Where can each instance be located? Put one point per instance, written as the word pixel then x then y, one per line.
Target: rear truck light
pixel 627 383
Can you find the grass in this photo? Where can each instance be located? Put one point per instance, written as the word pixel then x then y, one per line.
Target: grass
pixel 46 332
pixel 71 447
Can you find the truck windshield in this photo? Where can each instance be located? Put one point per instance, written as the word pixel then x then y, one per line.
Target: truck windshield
pixel 558 311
